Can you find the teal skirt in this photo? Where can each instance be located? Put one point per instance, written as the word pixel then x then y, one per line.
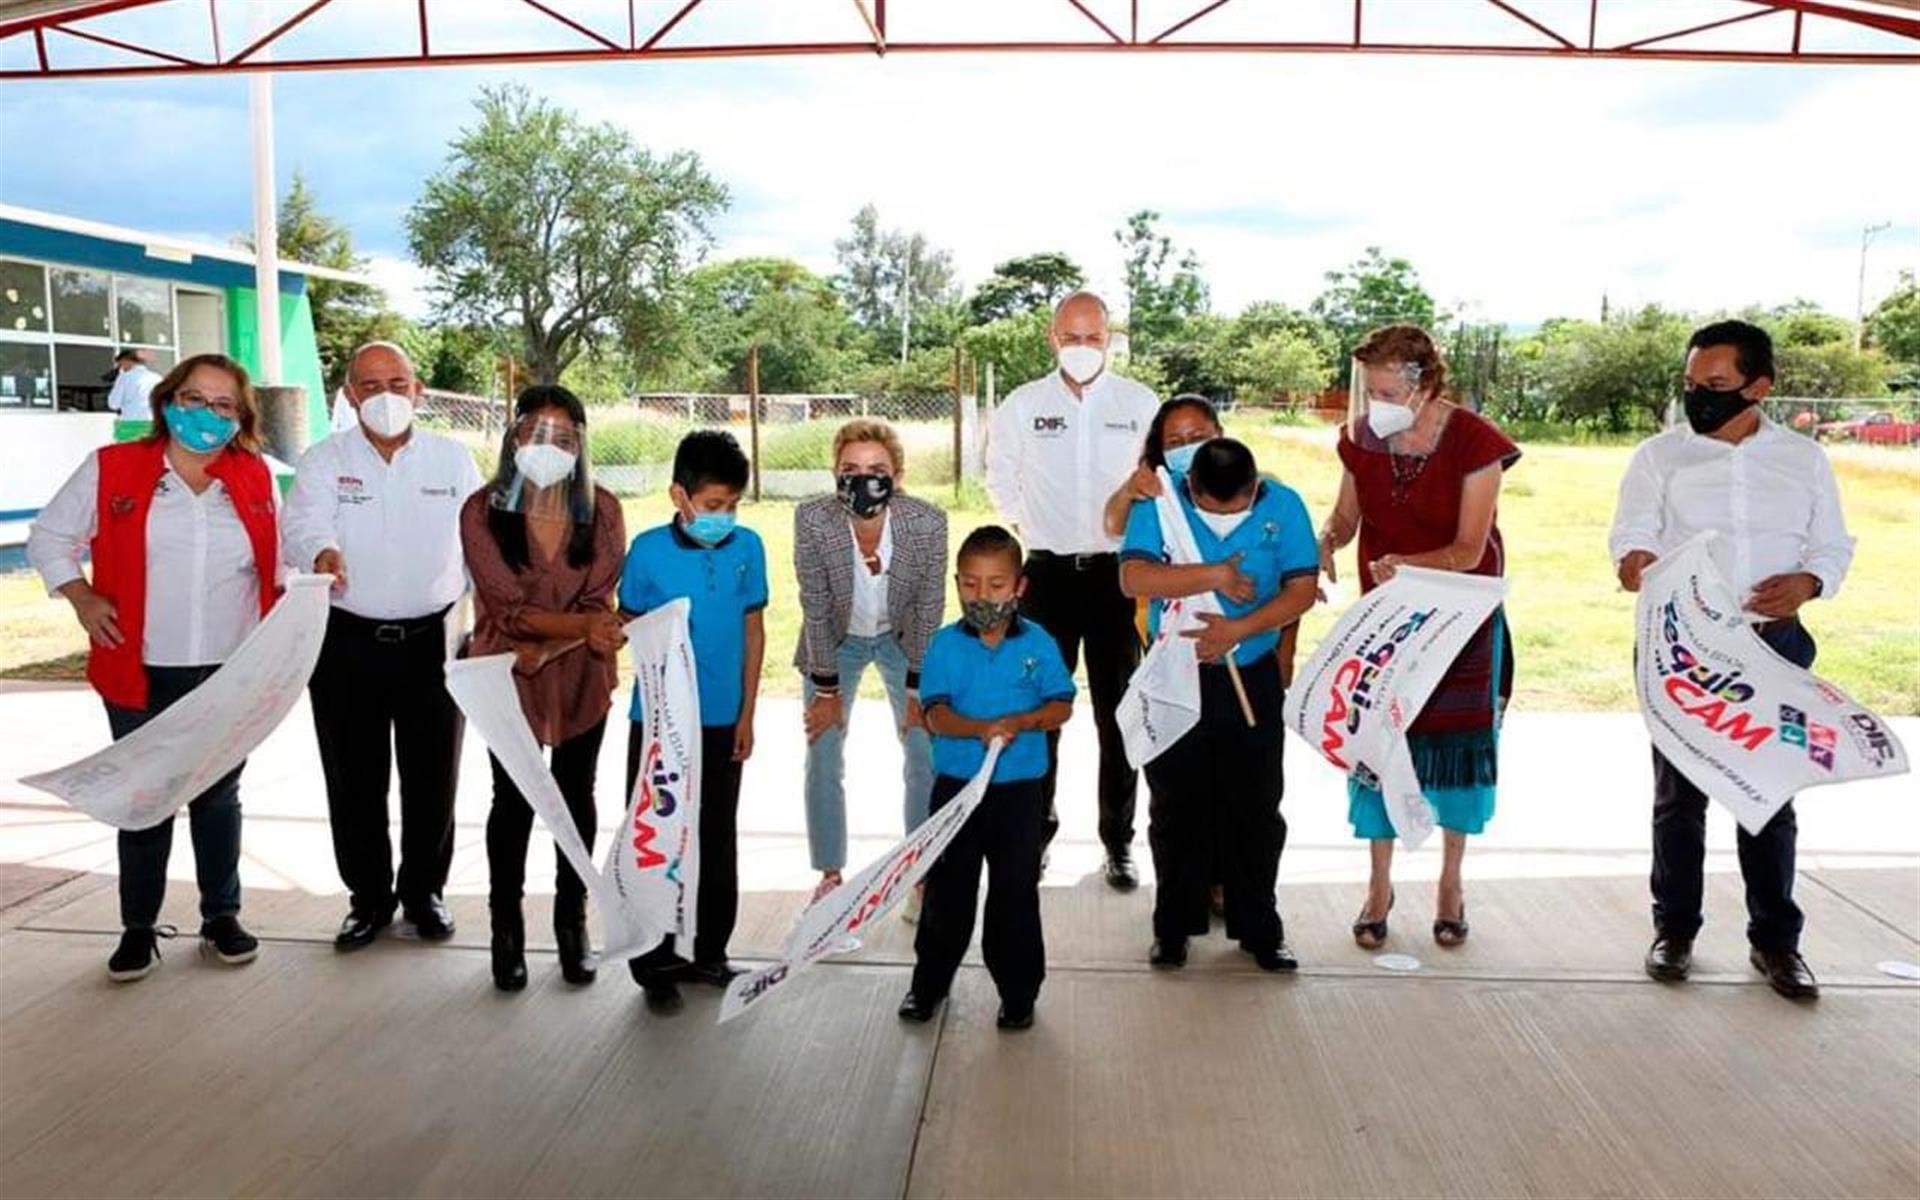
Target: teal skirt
pixel 1458 772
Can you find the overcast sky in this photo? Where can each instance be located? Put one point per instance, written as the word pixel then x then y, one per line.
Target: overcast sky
pixel 1521 189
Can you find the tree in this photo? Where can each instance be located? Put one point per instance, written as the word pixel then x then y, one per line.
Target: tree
pixel 1894 325
pixel 569 233
pixel 345 315
pixel 1164 285
pixel 874 266
pixel 1832 369
pixel 1372 291
pixel 1620 374
pixel 794 316
pixel 1017 346
pixel 1281 364
pixel 1021 285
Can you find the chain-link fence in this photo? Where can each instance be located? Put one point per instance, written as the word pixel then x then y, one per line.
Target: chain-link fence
pixel 790 437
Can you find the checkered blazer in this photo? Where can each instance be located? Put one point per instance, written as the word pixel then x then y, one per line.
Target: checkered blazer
pixel 823 562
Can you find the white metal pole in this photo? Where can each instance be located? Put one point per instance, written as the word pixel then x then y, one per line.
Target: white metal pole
pixel 1860 296
pixel 266 221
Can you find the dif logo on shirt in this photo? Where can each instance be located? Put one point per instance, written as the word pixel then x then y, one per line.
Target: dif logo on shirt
pixel 1049 424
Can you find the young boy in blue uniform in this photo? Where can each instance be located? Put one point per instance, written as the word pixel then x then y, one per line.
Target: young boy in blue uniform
pixel 721 567
pixel 989 675
pixel 1215 807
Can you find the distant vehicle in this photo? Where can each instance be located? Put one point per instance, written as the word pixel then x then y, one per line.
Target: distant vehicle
pixel 1880 428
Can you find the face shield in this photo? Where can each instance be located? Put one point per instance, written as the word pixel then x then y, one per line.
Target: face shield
pixel 544 468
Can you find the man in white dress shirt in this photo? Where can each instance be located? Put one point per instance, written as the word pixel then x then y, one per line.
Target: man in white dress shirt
pixel 378 507
pixel 132 386
pixel 1770 495
pixel 1057 448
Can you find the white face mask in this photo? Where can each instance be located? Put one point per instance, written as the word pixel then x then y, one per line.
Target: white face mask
pixel 543 463
pixel 1223 524
pixel 1082 364
pixel 386 415
pixel 1387 419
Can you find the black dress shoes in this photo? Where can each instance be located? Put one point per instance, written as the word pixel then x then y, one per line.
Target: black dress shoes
pixel 919 1011
pixel 1168 954
pixel 1122 875
pixel 1786 971
pixel 359 929
pixel 1669 959
pixel 1015 1017
pixel 509 949
pixel 661 985
pixel 713 974
pixel 431 920
pixel 1279 958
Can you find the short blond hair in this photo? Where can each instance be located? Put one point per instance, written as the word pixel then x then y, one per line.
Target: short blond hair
pixel 864 429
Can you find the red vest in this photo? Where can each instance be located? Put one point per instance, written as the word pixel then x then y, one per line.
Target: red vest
pixel 129 472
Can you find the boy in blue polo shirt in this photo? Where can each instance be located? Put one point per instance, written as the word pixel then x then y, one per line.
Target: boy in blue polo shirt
pixel 1215 805
pixel 989 675
pixel 721 567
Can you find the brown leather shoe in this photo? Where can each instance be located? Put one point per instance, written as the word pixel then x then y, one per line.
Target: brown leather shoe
pixel 1669 959
pixel 1787 972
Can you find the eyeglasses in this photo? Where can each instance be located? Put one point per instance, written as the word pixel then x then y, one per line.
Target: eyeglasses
pixel 225 406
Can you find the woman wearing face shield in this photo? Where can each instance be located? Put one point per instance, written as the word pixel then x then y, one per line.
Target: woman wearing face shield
pixel 1420 488
pixel 871 563
pixel 545 547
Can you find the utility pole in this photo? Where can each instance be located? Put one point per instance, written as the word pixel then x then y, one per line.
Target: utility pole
pixel 1867 233
pixel 906 297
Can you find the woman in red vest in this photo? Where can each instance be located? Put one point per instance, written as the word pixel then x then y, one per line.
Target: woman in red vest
pixel 182 527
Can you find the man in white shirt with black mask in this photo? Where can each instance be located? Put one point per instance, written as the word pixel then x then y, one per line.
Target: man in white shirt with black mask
pixel 1770 495
pixel 1057 449
pixel 378 507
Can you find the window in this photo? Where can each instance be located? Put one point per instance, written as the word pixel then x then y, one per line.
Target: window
pixel 23 297
pixel 86 375
pixel 26 376
pixel 80 302
pixel 145 310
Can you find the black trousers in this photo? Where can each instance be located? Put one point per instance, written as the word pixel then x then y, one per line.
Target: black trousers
pixel 510 825
pixel 1077 599
pixel 1006 833
pixel 379 694
pixel 717 906
pixel 1766 858
pixel 213 817
pixel 1214 812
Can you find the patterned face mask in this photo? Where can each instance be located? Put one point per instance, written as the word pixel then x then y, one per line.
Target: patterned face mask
pixel 987 615
pixel 864 495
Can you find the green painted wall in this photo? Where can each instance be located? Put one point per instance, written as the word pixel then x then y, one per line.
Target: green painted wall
pixel 299 352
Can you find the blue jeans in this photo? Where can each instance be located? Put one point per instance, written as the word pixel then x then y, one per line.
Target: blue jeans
pixel 213 817
pixel 826 757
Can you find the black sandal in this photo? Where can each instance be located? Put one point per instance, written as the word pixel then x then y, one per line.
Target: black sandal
pixel 1371 935
pixel 1451 933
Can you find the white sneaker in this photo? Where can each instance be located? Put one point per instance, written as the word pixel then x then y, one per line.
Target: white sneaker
pixel 910 912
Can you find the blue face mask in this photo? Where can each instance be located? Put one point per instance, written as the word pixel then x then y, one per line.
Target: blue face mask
pixel 1180 458
pixel 200 430
pixel 709 528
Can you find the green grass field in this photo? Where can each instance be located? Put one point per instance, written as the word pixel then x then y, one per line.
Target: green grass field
pixel 1572 625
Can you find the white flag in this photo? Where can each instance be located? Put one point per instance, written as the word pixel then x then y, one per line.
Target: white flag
pixel 1162 702
pixel 1746 726
pixel 827 925
pixel 654 861
pixel 144 778
pixel 1371 675
pixel 648 888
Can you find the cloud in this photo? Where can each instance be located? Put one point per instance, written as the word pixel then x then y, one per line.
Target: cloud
pixel 1522 189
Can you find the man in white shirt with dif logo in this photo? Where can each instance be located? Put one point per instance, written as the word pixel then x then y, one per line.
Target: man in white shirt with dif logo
pixel 1770 495
pixel 378 507
pixel 1057 448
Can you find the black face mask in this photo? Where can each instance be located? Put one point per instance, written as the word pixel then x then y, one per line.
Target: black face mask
pixel 1708 409
pixel 864 495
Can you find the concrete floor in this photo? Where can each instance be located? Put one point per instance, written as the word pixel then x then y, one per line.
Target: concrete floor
pixel 1534 1061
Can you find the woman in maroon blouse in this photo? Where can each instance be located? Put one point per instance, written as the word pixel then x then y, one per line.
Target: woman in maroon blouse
pixel 1421 485
pixel 544 547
